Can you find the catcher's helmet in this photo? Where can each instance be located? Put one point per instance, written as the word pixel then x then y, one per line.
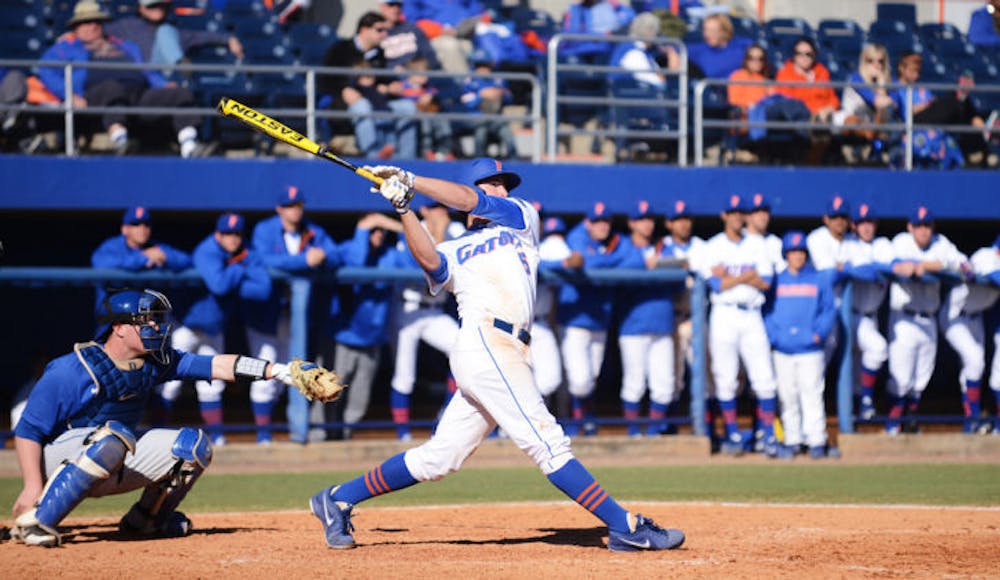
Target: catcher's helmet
pixel 147 309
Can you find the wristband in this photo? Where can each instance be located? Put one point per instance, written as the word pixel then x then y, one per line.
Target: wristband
pixel 249 367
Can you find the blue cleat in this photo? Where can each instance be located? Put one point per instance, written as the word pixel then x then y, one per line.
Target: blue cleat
pixel 647 536
pixel 733 445
pixel 335 517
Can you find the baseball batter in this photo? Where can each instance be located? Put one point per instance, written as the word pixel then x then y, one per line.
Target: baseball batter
pixel 492 272
pixel 869 258
pixel 914 299
pixel 78 428
pixel 739 272
pixel 961 322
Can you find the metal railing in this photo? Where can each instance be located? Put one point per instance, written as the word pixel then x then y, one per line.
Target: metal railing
pixel 311 113
pixel 906 127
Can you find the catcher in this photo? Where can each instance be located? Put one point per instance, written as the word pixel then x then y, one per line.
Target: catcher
pixel 77 431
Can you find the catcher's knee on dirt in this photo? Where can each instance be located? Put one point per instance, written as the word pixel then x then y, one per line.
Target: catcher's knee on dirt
pixel 153 513
pixel 103 454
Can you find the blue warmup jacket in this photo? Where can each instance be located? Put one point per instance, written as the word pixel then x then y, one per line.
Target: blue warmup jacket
pixel 115 253
pixel 268 243
pixel 231 282
pixel 361 312
pixel 71 49
pixel 66 397
pixel 643 309
pixel 801 305
pixel 583 305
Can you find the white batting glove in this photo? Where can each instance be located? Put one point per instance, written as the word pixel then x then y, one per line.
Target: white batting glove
pixel 281 372
pixel 397 193
pixel 387 171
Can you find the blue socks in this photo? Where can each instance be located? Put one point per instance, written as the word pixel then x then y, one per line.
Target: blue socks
pixel 392 475
pixel 575 481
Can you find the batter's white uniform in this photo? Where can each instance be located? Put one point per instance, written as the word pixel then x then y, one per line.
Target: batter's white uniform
pixel 826 253
pixel 422 317
pixel 961 317
pixel 736 328
pixel 545 356
pixel 492 271
pixel 867 297
pixel 913 307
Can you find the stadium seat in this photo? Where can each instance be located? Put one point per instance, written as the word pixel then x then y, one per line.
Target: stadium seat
pixel 747 27
pixel 900 11
pixel 206 20
pixel 843 38
pixel 789 27
pixel 309 41
pixel 23 44
pixel 253 28
pixel 23 17
pixel 628 117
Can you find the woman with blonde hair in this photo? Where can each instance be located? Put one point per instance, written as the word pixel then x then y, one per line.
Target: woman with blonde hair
pixel 720 53
pixel 870 102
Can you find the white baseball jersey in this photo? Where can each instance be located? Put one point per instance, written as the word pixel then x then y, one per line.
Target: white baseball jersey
pixel 826 251
pixel 918 295
pixel 868 295
pixel 976 298
pixel 737 257
pixel 773 244
pixel 492 270
pixel 552 248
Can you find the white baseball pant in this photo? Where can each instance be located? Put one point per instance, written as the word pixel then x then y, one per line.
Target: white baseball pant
pixel 545 358
pixel 648 356
pixel 912 347
pixel 734 335
pixel 496 388
pixel 800 380
pixel 583 354
pixel 966 335
pixel 995 370
pixel 871 344
pixel 428 324
pixel 196 342
pixel 268 347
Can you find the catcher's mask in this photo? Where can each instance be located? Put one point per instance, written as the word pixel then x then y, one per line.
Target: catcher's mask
pixel 145 309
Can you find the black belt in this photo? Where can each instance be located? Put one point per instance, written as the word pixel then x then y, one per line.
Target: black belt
pixel 917 313
pixel 741 306
pixel 521 334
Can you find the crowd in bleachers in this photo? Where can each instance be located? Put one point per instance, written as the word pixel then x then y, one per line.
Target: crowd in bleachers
pixel 510 37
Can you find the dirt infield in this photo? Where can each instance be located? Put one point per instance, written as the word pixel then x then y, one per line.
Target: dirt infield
pixel 540 541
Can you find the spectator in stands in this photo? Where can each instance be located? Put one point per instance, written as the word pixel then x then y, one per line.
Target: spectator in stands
pixel 450 25
pixel 291 243
pixel 488 96
pixel 984 25
pixel 804 68
pixel 641 55
pixel 756 67
pixel 436 141
pixel 720 53
pixel 604 17
pixel 115 87
pixel 161 41
pixel 341 93
pixel 404 41
pixel 869 103
pixel 946 108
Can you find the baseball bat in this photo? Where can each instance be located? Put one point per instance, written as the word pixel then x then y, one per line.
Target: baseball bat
pixel 277 130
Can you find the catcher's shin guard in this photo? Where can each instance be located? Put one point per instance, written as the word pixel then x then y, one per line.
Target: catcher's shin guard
pixel 155 511
pixel 103 455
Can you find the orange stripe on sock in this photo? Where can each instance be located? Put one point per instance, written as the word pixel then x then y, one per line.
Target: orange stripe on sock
pixel 601 498
pixel 378 488
pixel 368 484
pixel 589 501
pixel 381 480
pixel 584 493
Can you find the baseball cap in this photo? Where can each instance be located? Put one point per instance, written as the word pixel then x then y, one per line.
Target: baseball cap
pixel 135 216
pixel 553 225
pixel 678 209
pixel 153 2
pixel 921 215
pixel 733 204
pixel 483 168
pixel 291 195
pixel 757 202
pixel 599 211
pixel 642 210
pixel 864 213
pixel 838 207
pixel 229 223
pixel 793 240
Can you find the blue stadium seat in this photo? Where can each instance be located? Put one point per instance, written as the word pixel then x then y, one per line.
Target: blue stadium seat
pixel 896 36
pixel 747 27
pixel 207 20
pixel 933 31
pixel 890 29
pixel 253 28
pixel 636 117
pixel 789 27
pixel 901 11
pixel 540 22
pixel 22 17
pixel 309 41
pixel 23 44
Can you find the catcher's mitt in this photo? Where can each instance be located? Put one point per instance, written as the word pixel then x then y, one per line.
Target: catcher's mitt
pixel 314 381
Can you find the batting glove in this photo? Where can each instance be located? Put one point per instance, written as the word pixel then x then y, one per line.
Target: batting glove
pixel 397 193
pixel 387 171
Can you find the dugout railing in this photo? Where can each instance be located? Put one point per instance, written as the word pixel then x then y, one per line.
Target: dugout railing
pixel 310 114
pixel 301 289
pixel 901 132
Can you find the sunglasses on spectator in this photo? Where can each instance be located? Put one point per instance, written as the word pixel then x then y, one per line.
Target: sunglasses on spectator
pixel 381 28
pixel 756 57
pixel 808 53
pixel 869 60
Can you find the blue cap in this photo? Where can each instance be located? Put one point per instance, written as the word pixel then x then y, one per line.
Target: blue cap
pixel 757 202
pixel 733 204
pixel 291 195
pixel 553 225
pixel 921 215
pixel 229 223
pixel 678 209
pixel 643 209
pixel 838 207
pixel 599 211
pixel 480 56
pixel 482 168
pixel 793 240
pixel 864 213
pixel 135 216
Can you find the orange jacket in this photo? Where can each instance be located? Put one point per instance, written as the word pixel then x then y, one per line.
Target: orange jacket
pixel 814 98
pixel 746 96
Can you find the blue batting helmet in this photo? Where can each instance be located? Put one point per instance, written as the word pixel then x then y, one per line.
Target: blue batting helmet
pixel 147 309
pixel 484 168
